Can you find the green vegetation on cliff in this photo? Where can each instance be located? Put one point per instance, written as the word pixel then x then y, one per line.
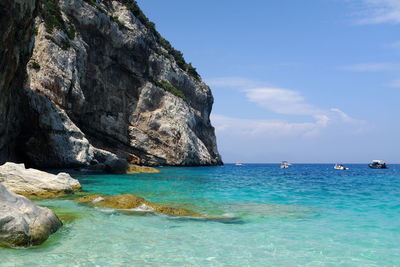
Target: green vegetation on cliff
pixel 52 17
pixel 170 88
pixel 34 65
pixel 63 44
pixel 176 54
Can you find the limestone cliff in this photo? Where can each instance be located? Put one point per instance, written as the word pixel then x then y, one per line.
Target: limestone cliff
pixel 103 84
pixel 16 30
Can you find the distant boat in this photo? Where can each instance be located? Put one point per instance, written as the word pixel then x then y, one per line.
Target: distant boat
pixel 340 167
pixel 285 165
pixel 378 164
pixel 238 164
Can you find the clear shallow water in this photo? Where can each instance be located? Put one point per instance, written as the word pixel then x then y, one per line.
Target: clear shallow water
pixel 307 215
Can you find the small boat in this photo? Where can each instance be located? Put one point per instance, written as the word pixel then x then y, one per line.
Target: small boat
pixel 340 167
pixel 285 165
pixel 238 164
pixel 378 164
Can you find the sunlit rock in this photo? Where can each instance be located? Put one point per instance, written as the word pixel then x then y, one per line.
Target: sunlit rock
pixel 22 223
pixel 134 203
pixel 31 182
pixel 134 169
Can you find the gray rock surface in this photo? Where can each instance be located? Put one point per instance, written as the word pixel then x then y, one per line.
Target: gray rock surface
pixel 55 141
pixel 16 30
pixel 22 223
pixel 31 182
pixel 102 88
pixel 105 84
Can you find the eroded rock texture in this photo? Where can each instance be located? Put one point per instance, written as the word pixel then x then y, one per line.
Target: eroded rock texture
pixel 16 30
pixel 102 88
pixel 107 80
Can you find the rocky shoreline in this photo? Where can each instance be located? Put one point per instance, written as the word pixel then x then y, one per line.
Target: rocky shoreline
pixel 24 224
pixel 91 85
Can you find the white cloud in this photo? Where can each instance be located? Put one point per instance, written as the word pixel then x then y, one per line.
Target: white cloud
pixel 264 128
pixel 279 128
pixel 289 102
pixel 373 67
pixel 343 116
pixel 279 101
pixel 379 11
pixel 394 84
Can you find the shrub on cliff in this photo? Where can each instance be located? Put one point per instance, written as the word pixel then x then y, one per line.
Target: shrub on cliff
pixel 35 65
pixel 177 55
pixel 51 15
pixel 170 88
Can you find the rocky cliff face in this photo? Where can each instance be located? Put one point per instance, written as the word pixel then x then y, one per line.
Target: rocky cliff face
pixel 103 84
pixel 16 30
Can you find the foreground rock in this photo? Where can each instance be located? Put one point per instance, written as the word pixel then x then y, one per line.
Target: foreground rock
pixel 134 169
pixel 134 203
pixel 31 182
pixel 22 223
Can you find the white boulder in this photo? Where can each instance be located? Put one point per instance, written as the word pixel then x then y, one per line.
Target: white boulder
pixel 22 223
pixel 31 182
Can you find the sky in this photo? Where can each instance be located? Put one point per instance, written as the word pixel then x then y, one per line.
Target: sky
pixel 314 81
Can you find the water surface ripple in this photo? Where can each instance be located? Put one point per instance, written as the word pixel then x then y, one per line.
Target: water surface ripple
pixel 307 215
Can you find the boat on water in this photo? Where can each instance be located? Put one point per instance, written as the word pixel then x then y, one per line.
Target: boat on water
pixel 238 164
pixel 340 167
pixel 285 165
pixel 378 164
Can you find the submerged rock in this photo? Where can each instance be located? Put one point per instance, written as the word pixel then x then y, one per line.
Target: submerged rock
pixel 31 182
pixel 134 169
pixel 134 203
pixel 22 223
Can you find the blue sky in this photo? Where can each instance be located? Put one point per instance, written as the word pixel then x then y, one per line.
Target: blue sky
pixel 303 81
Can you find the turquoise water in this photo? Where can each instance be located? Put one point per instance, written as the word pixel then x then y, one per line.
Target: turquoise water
pixel 307 215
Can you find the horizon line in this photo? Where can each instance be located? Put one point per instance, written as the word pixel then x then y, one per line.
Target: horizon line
pixel 305 162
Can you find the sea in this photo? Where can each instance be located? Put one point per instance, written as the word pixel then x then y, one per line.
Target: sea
pixel 306 215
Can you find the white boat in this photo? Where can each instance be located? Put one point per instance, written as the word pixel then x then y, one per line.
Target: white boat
pixel 285 165
pixel 340 167
pixel 238 164
pixel 378 164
